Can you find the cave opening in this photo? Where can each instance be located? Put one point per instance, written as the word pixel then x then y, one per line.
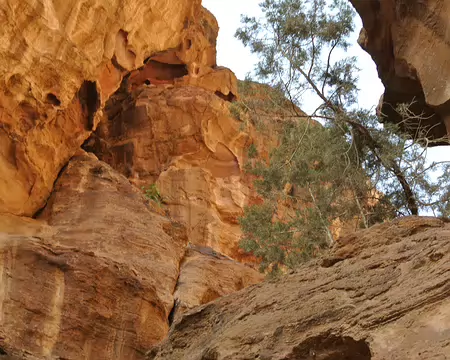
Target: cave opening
pixel 230 97
pixel 331 347
pixel 53 99
pixel 89 98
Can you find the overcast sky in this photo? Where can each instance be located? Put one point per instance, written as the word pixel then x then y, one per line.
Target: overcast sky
pixel 232 54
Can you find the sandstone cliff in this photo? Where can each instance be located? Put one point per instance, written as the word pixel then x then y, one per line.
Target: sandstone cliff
pixel 89 267
pixel 61 61
pixel 184 138
pixel 382 293
pixel 409 42
pixel 96 275
pixel 141 90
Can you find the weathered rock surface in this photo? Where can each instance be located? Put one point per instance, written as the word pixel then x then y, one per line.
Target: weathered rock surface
pixel 59 63
pixel 206 275
pixel 409 42
pixel 96 282
pixel 183 138
pixel 148 73
pixel 382 293
pixel 94 276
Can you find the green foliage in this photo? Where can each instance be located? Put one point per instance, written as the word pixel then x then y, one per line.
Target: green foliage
pixel 318 164
pixel 152 193
pixel 351 167
pixel 292 42
pixel 252 151
pixel 281 243
pixel 276 243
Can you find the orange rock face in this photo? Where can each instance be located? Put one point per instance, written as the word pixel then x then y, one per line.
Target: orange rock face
pixel 189 141
pixel 169 121
pixel 184 138
pixel 95 275
pixel 61 61
pixel 95 281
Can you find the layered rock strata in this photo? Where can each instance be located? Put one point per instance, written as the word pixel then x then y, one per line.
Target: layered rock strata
pixel 98 273
pixel 382 293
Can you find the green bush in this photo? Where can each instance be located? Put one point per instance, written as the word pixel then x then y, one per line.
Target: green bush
pixel 152 193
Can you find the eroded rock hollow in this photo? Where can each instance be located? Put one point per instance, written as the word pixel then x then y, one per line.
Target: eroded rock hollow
pixel 409 42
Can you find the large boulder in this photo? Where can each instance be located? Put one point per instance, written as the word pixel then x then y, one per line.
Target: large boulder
pixel 93 277
pixel 206 275
pixel 97 274
pixel 382 293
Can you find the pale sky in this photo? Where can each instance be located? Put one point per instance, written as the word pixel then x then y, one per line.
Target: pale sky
pixel 232 54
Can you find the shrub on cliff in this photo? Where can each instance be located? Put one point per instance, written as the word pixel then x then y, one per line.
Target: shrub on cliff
pixel 341 169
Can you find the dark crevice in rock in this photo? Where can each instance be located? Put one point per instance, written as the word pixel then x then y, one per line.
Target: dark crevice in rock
pixel 95 145
pixel 40 213
pixel 180 231
pixel 157 72
pixel 331 347
pixel 89 98
pixel 230 97
pixel 117 65
pixel 118 120
pixel 172 313
pixel 53 99
pixel 329 262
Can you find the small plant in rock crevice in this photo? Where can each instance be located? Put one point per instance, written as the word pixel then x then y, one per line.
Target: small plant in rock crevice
pixel 152 193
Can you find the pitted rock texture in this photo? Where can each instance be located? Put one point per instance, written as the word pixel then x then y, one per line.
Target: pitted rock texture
pixel 409 42
pixel 61 60
pixel 94 276
pixel 382 293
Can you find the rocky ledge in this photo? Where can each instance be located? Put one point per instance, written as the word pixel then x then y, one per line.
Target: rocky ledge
pixel 409 42
pixel 382 293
